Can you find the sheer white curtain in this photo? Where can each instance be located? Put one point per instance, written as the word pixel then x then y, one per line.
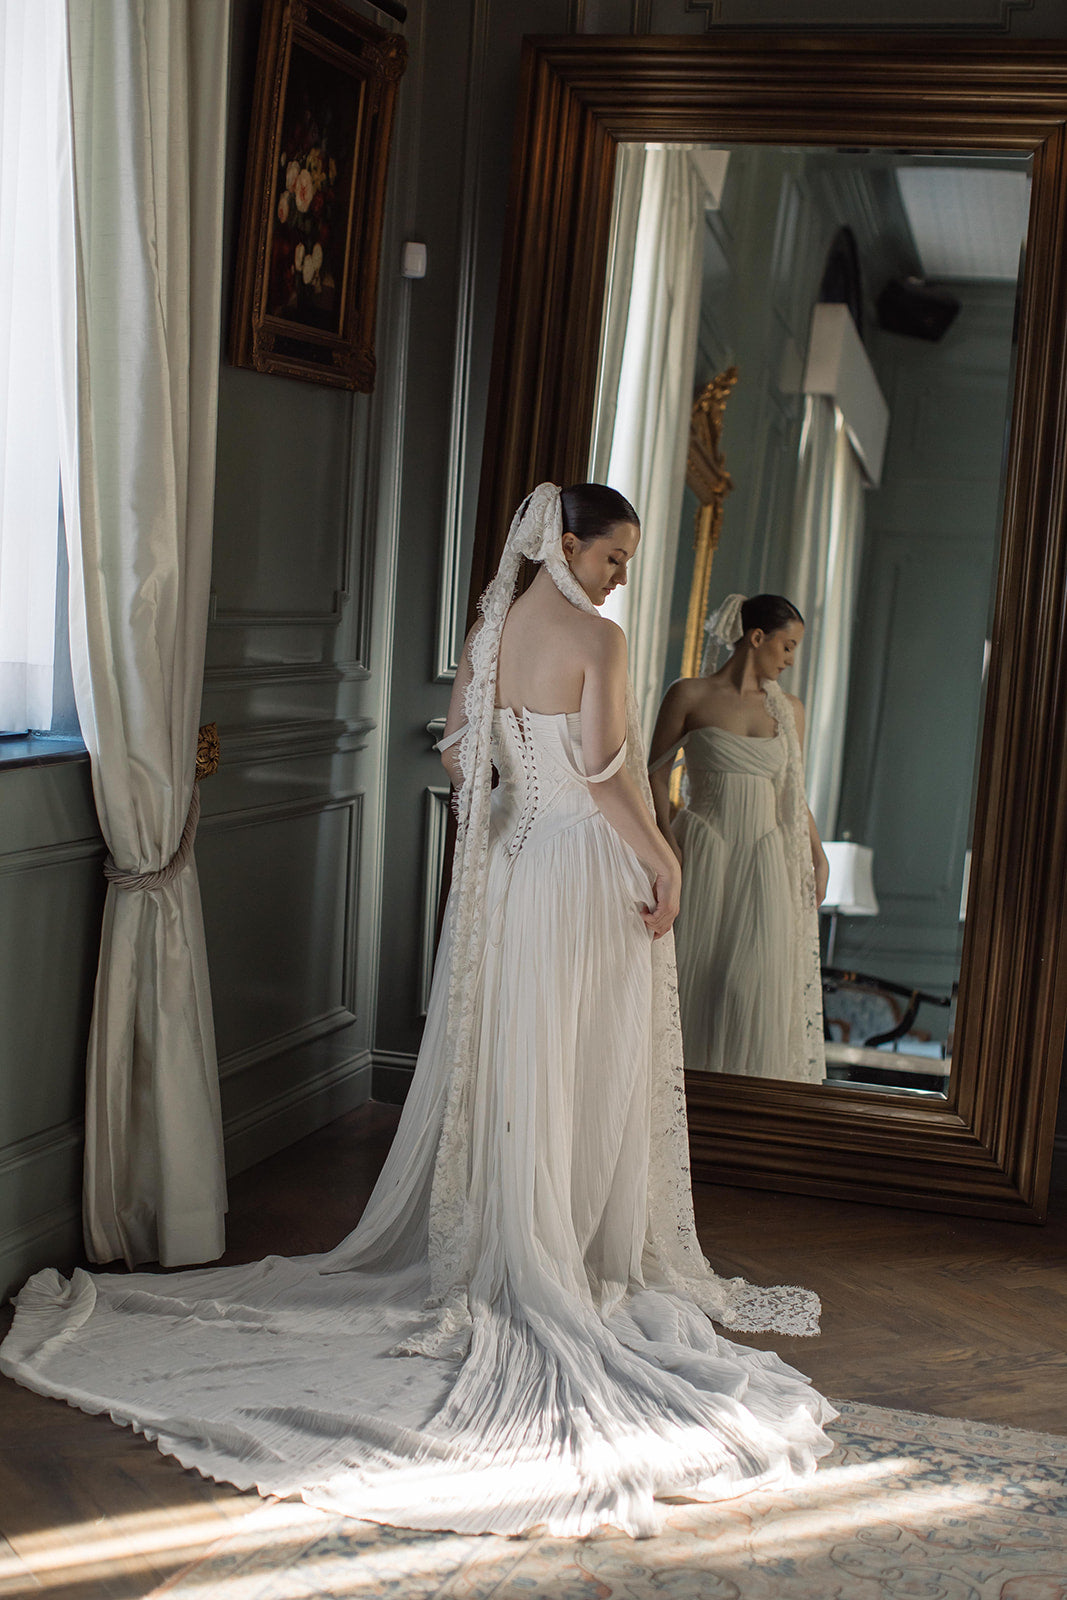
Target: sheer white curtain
pixel 34 277
pixel 823 570
pixel 646 384
pixel 148 84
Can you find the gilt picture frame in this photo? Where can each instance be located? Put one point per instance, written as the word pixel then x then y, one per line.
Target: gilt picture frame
pixel 305 294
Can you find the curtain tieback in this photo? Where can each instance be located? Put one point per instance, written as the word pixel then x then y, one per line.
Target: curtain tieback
pixel 207 761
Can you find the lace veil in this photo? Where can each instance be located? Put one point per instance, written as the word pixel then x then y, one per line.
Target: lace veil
pixel 673 1253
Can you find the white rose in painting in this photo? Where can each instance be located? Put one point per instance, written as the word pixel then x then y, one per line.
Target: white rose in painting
pixel 316 256
pixel 298 256
pixel 304 189
pixel 309 267
pixel 292 172
pixel 283 207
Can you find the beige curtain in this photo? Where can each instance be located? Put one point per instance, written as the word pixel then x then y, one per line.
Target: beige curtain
pixel 148 89
pixel 645 390
pixel 823 572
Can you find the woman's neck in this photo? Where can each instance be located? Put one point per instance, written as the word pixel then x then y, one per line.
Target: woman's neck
pixel 740 674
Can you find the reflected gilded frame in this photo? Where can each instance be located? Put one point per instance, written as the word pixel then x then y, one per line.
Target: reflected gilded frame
pixel 987 1149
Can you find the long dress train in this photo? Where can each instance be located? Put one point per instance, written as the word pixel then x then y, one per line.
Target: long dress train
pixel 576 1378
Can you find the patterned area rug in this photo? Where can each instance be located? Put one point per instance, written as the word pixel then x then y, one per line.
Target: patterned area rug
pixel 908 1507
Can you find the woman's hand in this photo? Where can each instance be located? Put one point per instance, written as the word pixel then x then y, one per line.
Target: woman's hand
pixel 822 878
pixel 666 890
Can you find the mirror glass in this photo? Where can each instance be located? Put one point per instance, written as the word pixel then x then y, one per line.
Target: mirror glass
pixel 805 379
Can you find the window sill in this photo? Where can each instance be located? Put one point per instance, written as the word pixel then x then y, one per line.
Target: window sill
pixel 40 749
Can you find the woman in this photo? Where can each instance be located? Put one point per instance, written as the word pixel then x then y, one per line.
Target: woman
pixel 529 1246
pixel 754 868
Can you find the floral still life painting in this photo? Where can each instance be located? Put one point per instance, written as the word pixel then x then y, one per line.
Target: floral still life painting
pixel 306 289
pixel 314 187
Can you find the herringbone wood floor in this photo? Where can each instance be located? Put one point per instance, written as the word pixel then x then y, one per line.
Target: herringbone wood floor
pixel 943 1314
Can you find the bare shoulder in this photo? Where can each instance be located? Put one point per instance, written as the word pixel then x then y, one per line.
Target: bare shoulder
pixel 798 711
pixel 602 640
pixel 684 691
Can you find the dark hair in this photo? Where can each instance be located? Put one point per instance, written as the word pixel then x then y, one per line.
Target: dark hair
pixel 592 510
pixel 769 612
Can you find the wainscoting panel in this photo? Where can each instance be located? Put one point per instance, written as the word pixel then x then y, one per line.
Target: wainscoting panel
pixel 44 1002
pixel 51 904
pixel 279 889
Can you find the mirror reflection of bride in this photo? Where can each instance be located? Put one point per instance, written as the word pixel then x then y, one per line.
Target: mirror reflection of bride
pixel 754 870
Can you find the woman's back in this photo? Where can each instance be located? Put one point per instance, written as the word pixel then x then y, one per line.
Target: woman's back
pixel 544 653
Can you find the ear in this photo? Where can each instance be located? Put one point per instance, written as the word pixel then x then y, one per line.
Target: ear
pixel 757 636
pixel 571 544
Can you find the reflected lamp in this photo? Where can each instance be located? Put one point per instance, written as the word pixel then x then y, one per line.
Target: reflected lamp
pixel 850 889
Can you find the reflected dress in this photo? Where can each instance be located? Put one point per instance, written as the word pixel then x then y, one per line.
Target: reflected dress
pixel 576 1378
pixel 747 982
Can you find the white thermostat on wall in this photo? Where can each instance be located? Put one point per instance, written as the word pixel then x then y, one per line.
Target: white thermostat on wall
pixel 413 260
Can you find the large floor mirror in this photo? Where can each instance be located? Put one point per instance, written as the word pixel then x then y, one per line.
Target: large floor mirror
pixel 803 302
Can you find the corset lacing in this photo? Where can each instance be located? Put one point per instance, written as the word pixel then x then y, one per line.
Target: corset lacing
pixel 531 782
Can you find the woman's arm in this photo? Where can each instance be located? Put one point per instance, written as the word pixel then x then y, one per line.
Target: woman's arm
pixel 618 797
pixel 819 863
pixel 456 716
pixel 667 736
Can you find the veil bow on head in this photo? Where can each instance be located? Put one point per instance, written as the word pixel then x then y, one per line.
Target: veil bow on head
pixel 722 629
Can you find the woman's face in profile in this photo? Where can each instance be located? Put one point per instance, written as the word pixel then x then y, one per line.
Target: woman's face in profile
pixel 601 565
pixel 776 650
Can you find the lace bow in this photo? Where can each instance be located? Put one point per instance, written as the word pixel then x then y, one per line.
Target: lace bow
pixel 723 628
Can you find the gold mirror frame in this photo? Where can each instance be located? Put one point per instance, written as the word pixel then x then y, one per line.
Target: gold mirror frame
pixel 706 475
pixel 987 1149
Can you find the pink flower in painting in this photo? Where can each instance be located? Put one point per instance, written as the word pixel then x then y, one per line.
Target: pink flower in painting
pixel 304 190
pixel 292 172
pixel 283 207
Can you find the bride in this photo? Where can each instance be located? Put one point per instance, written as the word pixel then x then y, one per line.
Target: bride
pixel 754 869
pixel 517 1333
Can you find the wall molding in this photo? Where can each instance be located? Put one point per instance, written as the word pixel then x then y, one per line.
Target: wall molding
pixel 360 524
pixel 275 1123
pixel 346 1012
pixel 53 1237
pixel 248 742
pixel 277 1044
pixel 39 1146
pixel 52 855
pixel 387 442
pixel 219 617
pixel 391 1075
pixel 276 811
pixel 893 16
pixel 434 844
pixel 452 603
pixel 312 673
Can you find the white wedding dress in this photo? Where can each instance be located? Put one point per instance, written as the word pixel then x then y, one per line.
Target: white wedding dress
pixel 577 1377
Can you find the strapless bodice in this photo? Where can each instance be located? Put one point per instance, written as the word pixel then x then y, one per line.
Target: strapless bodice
pixel 733 781
pixel 543 785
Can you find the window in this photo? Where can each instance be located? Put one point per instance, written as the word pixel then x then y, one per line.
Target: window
pixel 32 578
